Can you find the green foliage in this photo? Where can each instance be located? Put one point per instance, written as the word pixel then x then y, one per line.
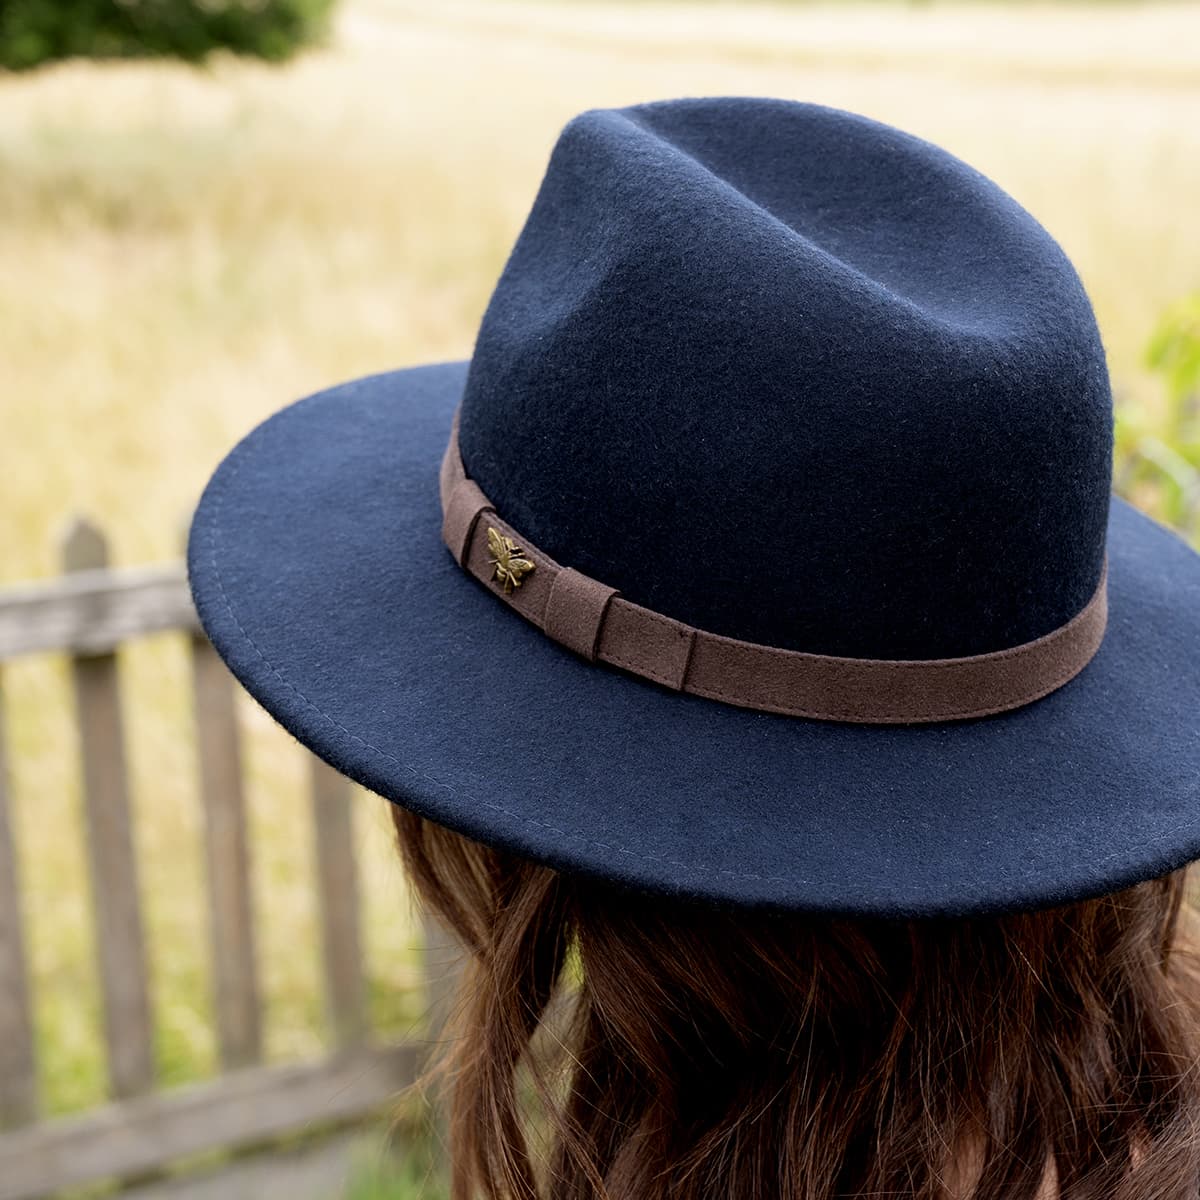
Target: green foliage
pixel 415 1172
pixel 1158 452
pixel 36 31
pixel 1175 351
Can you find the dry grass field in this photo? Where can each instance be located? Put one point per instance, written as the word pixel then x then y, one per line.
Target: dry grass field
pixel 183 251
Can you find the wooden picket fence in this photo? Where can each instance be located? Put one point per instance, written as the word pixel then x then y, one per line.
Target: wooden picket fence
pixel 87 614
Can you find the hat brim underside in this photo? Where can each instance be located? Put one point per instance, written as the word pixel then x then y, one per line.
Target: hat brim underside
pixel 320 575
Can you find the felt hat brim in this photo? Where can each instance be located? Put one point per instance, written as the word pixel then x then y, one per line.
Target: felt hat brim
pixel 319 573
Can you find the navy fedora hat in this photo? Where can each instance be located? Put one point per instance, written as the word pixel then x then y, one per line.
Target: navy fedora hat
pixel 764 552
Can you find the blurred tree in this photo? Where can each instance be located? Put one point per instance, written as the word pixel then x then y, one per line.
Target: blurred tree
pixel 36 31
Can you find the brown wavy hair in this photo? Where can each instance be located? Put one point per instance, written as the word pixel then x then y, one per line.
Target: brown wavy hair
pixel 611 1046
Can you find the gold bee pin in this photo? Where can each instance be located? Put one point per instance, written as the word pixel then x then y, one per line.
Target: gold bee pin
pixel 506 557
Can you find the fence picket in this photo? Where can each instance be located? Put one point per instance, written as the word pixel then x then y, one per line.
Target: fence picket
pixel 87 614
pixel 120 943
pixel 18 1077
pixel 337 882
pixel 227 858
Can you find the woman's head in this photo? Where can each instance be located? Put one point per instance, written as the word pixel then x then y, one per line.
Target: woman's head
pixel 778 490
pixel 629 1047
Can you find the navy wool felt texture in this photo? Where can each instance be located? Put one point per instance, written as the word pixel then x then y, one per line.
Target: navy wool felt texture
pixel 790 376
pixel 796 378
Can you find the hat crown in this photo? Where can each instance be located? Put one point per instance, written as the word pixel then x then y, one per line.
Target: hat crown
pixel 795 377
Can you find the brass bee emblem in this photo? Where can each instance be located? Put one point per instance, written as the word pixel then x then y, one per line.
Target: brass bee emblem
pixel 506 557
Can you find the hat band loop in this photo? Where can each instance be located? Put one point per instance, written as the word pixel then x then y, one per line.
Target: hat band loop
pixel 597 623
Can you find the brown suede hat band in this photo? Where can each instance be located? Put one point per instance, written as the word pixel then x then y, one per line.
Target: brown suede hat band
pixel 595 622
